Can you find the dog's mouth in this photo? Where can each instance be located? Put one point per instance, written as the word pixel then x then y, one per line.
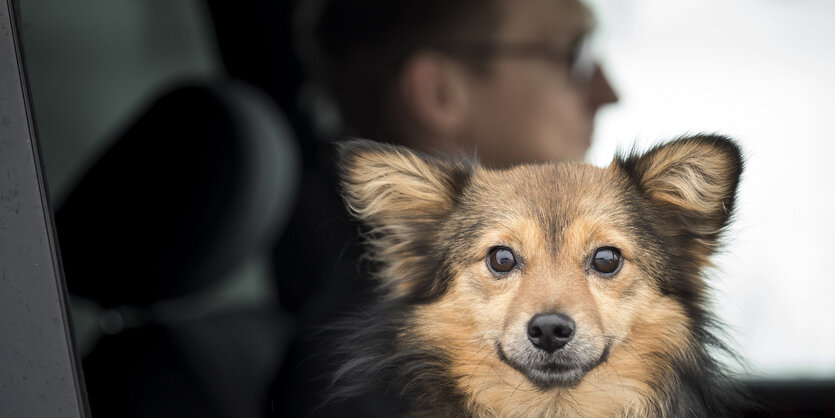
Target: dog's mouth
pixel 547 375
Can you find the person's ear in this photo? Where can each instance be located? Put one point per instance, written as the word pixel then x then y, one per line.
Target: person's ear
pixel 434 92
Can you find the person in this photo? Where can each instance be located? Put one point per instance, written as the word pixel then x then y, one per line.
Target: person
pixel 509 81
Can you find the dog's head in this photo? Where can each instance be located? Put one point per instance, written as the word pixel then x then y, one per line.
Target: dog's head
pixel 547 269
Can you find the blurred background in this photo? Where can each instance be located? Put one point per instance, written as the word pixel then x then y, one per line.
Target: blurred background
pixel 179 136
pixel 761 72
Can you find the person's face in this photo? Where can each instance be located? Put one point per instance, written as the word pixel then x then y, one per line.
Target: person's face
pixel 527 109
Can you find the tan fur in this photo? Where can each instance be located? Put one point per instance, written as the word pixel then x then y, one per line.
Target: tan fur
pixel 686 177
pixel 500 391
pixel 620 387
pixel 693 179
pixel 672 201
pixel 390 189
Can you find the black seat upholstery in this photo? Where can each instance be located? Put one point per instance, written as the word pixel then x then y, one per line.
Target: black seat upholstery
pixel 156 234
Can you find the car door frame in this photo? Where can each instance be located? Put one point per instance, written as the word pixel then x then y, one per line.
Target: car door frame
pixel 40 371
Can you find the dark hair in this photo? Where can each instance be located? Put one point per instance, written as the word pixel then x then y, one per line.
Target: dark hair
pixel 356 48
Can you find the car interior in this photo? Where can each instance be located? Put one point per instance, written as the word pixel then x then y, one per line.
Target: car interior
pixel 178 139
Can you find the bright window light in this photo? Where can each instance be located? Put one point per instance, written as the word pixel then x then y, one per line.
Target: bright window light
pixel 762 72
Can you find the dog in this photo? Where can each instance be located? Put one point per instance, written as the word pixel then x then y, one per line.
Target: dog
pixel 542 290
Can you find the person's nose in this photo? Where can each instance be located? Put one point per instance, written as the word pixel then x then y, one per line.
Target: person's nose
pixel 600 90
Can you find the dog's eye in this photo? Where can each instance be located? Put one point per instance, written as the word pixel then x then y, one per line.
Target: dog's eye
pixel 501 260
pixel 606 260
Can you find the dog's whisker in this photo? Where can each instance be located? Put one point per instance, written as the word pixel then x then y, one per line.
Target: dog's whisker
pixel 476 367
pixel 576 403
pixel 516 388
pixel 608 367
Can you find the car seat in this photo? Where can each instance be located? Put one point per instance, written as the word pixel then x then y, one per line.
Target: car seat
pixel 167 237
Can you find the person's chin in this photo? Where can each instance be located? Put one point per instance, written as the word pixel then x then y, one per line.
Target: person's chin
pixel 584 140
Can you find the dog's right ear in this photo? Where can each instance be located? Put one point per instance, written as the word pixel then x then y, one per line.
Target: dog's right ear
pixel 694 180
pixel 402 195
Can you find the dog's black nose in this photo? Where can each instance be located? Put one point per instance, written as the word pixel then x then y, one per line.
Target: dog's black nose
pixel 551 331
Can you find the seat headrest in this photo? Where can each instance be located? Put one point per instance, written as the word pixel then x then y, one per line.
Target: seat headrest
pixel 199 180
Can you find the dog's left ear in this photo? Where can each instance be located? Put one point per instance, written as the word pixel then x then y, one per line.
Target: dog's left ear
pixel 389 185
pixel 402 196
pixel 694 179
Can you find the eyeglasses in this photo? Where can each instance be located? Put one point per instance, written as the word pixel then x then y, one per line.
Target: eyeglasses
pixel 578 57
